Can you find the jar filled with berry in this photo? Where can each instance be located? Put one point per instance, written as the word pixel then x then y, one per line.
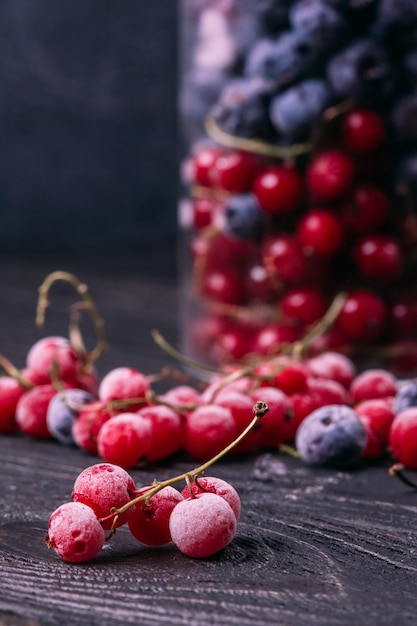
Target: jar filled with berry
pixel 299 178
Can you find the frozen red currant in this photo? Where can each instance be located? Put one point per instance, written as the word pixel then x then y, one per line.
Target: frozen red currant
pixel 363 316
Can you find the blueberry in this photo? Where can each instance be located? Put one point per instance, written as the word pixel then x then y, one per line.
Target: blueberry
pixel 242 109
pixel 404 118
pixel 244 218
pixel 283 60
pixel 63 410
pixel 362 71
pixel 396 24
pixel 331 436
pixel 295 111
pixel 406 397
pixel 321 24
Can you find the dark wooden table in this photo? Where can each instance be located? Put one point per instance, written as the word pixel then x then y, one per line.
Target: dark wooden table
pixel 313 546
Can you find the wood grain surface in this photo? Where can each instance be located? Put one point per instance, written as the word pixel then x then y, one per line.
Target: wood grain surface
pixel 318 546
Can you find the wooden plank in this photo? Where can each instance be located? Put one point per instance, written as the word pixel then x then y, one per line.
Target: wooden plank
pixel 312 547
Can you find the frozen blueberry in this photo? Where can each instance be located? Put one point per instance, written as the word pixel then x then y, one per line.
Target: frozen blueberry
pixel 63 410
pixel 363 71
pixel 242 109
pixel 331 436
pixel 322 25
pixel 295 111
pixel 244 218
pixel 283 60
pixel 406 397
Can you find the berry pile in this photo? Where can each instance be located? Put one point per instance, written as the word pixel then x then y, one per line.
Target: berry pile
pixel 307 181
pixel 200 520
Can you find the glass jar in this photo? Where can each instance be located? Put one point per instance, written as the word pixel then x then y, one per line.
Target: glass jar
pixel 299 179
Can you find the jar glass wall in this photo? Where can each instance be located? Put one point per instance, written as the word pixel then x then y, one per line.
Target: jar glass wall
pixel 299 178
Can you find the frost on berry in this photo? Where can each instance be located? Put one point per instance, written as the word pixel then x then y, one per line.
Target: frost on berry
pixel 208 430
pixel 124 439
pixel 53 356
pixel 75 532
pixel 123 383
pixel 31 411
pixel 212 484
pixel 166 431
pixel 103 486
pixel 203 525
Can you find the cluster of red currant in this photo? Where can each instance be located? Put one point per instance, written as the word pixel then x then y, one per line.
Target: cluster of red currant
pixel 273 241
pixel 200 520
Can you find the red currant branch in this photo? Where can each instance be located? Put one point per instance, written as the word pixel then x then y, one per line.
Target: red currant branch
pixel 87 304
pixel 255 145
pixel 13 372
pixel 260 409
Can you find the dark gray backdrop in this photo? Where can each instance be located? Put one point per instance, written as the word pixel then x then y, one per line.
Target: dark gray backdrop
pixel 88 152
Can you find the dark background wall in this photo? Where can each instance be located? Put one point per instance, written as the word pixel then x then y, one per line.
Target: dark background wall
pixel 88 153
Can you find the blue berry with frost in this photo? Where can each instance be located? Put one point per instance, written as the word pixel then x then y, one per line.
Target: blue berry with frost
pixel 331 436
pixel 295 111
pixel 63 410
pixel 244 218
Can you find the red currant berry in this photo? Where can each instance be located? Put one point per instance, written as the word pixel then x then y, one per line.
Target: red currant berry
pixel 53 353
pixel 31 410
pixel 276 424
pixel 363 130
pixel 377 417
pixel 241 408
pixel 321 232
pixel 367 210
pixel 124 439
pixel 326 391
pixel 166 431
pixel 272 338
pixel 223 286
pixel 278 189
pixel 124 383
pixel 88 424
pixel 75 533
pixel 103 486
pixel 202 164
pixel 334 366
pixel 403 314
pixel 203 525
pixel 363 316
pixel 403 437
pixel 379 257
pixel 149 521
pixel 303 306
pixel 211 484
pixel 373 384
pixel 259 284
pixel 208 429
pixel 10 393
pixel 330 175
pixel 203 213
pixel 284 260
pixel 235 171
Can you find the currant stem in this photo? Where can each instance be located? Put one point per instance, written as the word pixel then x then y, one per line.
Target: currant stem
pixel 398 470
pixel 87 304
pixel 255 145
pixel 181 358
pixel 260 409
